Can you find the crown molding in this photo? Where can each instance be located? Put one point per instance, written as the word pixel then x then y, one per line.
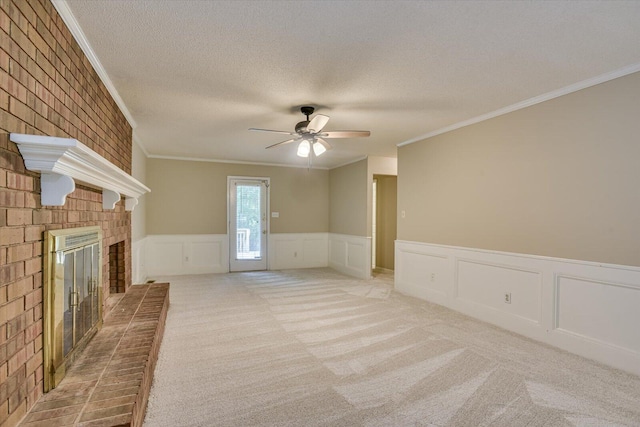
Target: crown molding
pixel 74 27
pixel 634 68
pixel 349 162
pixel 62 161
pixel 237 162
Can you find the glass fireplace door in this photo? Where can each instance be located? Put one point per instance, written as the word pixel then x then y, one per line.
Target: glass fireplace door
pixel 80 294
pixel 73 311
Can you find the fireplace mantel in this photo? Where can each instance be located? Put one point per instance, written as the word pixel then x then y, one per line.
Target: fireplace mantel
pixel 63 161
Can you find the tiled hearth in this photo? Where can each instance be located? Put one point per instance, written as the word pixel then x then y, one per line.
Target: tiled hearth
pixel 109 383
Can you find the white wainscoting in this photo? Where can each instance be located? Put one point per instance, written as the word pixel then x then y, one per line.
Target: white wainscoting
pixel 178 254
pixel 587 308
pixel 169 255
pixel 350 255
pixel 138 261
pixel 298 250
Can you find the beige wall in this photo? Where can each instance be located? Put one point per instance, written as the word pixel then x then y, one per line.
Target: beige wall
pixel 139 214
pixel 190 197
pixel 348 189
pixel 386 214
pixel 560 179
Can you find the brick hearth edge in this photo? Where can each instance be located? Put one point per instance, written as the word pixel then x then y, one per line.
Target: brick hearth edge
pixel 109 384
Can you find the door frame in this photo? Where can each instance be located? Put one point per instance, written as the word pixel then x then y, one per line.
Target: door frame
pixel 267 182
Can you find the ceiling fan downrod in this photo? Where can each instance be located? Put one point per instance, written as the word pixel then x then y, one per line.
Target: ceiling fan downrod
pixel 307 110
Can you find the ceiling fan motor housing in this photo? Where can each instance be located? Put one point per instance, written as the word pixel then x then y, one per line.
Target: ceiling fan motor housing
pixel 301 127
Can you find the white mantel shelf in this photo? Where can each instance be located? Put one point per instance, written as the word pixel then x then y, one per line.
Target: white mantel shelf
pixel 63 161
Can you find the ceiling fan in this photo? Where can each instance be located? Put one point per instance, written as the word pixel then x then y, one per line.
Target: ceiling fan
pixel 310 135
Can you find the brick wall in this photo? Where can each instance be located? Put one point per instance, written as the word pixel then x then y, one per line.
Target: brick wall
pixel 47 87
pixel 117 268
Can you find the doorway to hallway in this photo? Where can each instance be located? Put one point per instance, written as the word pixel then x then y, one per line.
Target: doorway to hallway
pixel 384 222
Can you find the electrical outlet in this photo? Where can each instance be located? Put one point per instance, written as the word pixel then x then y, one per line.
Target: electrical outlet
pixel 295 254
pixel 507 297
pixel 433 277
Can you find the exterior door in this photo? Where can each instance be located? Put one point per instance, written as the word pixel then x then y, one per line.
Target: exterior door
pixel 248 223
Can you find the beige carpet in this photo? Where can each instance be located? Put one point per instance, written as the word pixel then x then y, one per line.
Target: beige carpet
pixel 315 348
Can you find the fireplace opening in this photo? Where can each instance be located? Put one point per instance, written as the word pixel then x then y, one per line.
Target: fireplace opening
pixel 72 297
pixel 116 268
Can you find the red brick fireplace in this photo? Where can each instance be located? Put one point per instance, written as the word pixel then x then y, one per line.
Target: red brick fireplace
pixel 47 87
pixel 117 268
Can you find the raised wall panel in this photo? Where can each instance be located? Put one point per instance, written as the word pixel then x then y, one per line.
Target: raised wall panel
pixel 138 261
pixel 285 253
pixel 169 255
pixel 298 250
pixel 355 255
pixel 350 254
pixel 486 284
pixel 316 251
pixel 205 255
pixel 337 252
pixel 606 312
pixel 422 275
pixel 165 257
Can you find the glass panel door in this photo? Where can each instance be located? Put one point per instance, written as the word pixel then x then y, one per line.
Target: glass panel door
pixel 67 333
pixel 247 224
pixel 81 298
pixel 80 294
pixel 71 297
pixel 85 304
pixel 95 295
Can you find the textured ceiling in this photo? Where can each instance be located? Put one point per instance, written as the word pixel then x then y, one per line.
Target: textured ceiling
pixel 195 75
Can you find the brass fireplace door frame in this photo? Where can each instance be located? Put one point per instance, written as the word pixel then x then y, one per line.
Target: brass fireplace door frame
pixel 57 244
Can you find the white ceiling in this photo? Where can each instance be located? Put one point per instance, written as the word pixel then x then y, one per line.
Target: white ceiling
pixel 195 75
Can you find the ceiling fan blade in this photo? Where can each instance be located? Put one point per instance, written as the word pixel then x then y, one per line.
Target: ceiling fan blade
pixel 283 142
pixel 317 123
pixel 324 143
pixel 274 131
pixel 345 134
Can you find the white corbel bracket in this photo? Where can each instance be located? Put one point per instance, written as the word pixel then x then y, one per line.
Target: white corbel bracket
pixel 109 199
pixel 130 203
pixel 63 161
pixel 55 188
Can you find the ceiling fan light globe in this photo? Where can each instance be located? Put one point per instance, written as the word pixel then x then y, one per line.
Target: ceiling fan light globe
pixel 304 148
pixel 318 149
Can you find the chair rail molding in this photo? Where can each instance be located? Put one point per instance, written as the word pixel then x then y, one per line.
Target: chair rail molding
pixel 63 161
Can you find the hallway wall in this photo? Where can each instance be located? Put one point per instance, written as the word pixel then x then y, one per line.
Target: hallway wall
pixel 386 220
